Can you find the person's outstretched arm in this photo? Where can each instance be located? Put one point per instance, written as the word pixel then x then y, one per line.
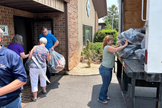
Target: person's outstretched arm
pixel 116 49
pixel 23 55
pixel 31 52
pixel 49 56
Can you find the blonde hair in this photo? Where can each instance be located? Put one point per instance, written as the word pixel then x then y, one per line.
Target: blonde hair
pixel 107 39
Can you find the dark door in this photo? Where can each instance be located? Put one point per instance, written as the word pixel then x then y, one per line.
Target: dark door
pixel 23 26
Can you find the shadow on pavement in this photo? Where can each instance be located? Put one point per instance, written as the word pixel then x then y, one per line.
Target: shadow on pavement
pixel 114 94
pixel 54 85
pixel 27 94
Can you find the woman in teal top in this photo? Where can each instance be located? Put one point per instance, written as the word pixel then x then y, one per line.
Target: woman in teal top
pixel 107 64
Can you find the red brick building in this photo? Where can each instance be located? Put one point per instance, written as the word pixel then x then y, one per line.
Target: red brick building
pixel 71 21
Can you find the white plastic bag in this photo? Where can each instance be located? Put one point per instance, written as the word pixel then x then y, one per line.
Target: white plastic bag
pixel 57 62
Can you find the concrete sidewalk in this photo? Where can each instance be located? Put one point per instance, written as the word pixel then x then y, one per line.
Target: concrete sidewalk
pixel 78 92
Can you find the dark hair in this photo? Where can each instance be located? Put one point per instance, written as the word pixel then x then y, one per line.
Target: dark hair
pixel 17 39
pixel 43 28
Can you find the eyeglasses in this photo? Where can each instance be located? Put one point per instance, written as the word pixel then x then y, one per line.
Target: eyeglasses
pixel 44 32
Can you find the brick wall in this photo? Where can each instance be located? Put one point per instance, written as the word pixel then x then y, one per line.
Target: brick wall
pixel 58 28
pixel 73 33
pixel 6 18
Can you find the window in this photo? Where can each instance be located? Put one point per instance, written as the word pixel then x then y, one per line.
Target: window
pixel 99 27
pixel 87 33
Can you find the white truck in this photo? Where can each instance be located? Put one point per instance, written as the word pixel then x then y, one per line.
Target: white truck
pixel 130 72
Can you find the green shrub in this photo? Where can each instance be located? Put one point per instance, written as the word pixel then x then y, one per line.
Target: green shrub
pixel 99 36
pixel 96 48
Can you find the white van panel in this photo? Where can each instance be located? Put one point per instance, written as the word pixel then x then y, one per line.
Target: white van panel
pixel 154 36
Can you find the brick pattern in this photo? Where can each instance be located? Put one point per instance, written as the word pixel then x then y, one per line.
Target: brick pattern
pixel 58 28
pixel 37 29
pixel 6 18
pixel 73 33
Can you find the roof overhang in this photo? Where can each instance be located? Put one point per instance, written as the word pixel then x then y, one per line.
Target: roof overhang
pixel 100 7
pixel 67 1
pixel 35 6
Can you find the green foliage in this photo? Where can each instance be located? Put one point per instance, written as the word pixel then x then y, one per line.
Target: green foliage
pixel 112 17
pixel 99 36
pixel 88 53
pixel 96 48
pixel 108 25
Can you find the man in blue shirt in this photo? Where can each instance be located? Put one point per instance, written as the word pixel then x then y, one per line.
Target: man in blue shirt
pixel 52 42
pixel 12 77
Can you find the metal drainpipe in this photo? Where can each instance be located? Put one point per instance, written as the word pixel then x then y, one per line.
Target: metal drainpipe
pixel 67 35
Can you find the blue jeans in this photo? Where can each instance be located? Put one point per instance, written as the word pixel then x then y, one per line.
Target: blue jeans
pixel 15 104
pixel 106 74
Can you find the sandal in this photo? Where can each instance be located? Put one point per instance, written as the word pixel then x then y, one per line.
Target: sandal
pixel 104 102
pixel 108 98
pixel 44 92
pixel 34 100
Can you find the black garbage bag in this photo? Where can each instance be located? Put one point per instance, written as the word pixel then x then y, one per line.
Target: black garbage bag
pixel 140 53
pixel 133 36
pixel 128 50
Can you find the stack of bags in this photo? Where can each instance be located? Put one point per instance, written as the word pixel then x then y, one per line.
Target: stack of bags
pixel 136 43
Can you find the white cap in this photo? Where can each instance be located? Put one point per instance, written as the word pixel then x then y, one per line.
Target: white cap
pixel 43 40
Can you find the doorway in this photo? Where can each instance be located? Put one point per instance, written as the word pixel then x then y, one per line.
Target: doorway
pixel 24 27
pixel 30 29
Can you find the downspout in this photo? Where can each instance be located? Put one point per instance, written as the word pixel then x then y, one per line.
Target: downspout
pixel 66 35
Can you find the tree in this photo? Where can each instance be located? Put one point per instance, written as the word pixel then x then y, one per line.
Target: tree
pixel 112 15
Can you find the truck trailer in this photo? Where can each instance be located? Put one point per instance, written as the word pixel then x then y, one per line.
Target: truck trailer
pixel 130 72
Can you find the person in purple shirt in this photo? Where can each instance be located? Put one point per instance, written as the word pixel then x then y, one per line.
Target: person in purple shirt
pixel 16 46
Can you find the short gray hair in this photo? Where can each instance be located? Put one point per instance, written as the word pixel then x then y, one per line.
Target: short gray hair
pixel 44 28
pixel 17 39
pixel 1 32
pixel 43 40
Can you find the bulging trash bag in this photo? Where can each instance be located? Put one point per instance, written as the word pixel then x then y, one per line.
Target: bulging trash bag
pixel 57 62
pixel 27 64
pixel 133 36
pixel 140 53
pixel 143 43
pixel 128 50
